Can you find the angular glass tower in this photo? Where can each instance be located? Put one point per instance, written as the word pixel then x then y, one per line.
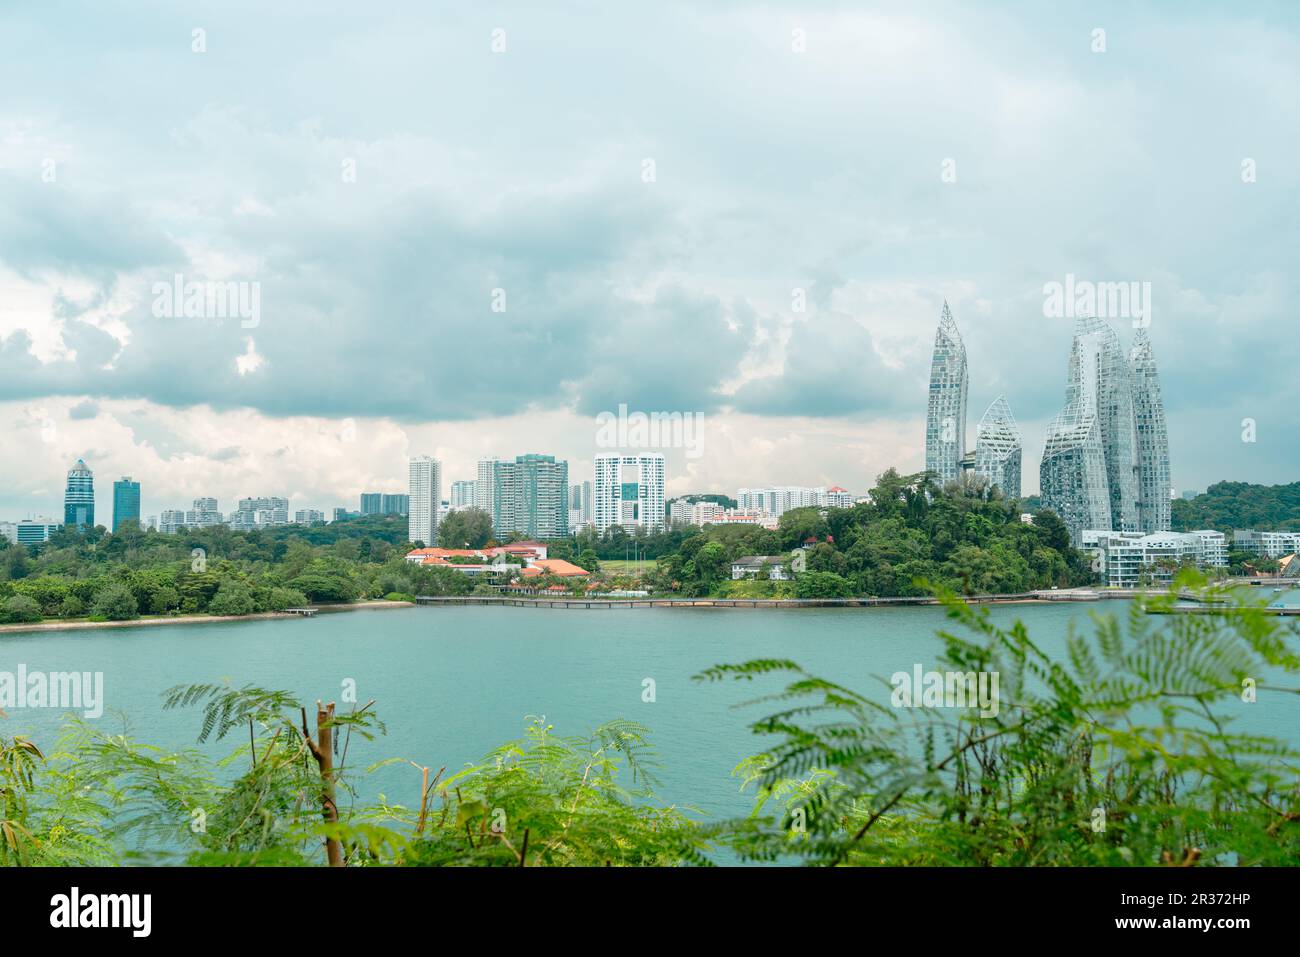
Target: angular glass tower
pixel 1152 438
pixel 998 446
pixel 1094 431
pixel 945 421
pixel 79 497
pixel 126 502
pixel 1072 476
pixel 1108 374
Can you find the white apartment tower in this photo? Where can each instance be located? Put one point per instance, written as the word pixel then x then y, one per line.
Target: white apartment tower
pixel 426 494
pixel 485 485
pixel 629 491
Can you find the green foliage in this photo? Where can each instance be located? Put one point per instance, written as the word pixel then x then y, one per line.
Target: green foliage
pixel 1130 730
pixel 967 538
pixel 543 800
pixel 19 609
pixel 115 603
pixel 232 598
pixel 465 528
pixel 1231 505
pixel 822 585
pixel 1122 755
pixel 546 800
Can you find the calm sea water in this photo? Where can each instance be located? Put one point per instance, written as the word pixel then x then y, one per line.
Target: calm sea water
pixel 453 682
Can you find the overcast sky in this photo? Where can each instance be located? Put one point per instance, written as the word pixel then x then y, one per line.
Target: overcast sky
pixel 378 170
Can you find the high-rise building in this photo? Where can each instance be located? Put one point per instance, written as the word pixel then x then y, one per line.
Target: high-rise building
pixel 1155 489
pixel 204 514
pixel 171 521
pixel 575 507
pixel 1072 476
pixel 1115 415
pixel 837 497
pixel 485 485
pixel 629 491
pixel 255 512
pixel 382 503
pixel 425 495
pixel 945 421
pixel 531 497
pixel 462 494
pixel 776 500
pixel 998 448
pixel 308 516
pixel 79 497
pixel 126 502
pixel 1089 473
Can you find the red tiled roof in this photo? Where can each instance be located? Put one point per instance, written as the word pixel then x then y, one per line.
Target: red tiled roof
pixel 558 566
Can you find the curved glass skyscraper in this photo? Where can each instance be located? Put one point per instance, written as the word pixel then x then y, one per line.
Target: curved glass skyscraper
pixel 79 497
pixel 1072 476
pixel 1106 462
pixel 1152 438
pixel 998 447
pixel 945 422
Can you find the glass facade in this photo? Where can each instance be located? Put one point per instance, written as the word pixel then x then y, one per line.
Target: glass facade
pixel 998 448
pixel 945 422
pixel 1106 462
pixel 126 502
pixel 79 497
pixel 531 497
pixel 1152 433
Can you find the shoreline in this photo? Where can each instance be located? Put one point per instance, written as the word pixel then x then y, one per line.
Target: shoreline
pixel 1019 598
pixel 195 619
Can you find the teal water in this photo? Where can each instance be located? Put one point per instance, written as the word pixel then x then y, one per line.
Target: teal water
pixel 453 682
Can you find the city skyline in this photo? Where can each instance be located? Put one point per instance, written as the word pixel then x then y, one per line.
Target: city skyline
pixel 785 294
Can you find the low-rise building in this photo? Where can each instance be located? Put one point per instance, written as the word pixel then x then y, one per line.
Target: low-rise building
pixel 34 531
pixel 527 558
pixel 1131 559
pixel 1269 544
pixel 751 566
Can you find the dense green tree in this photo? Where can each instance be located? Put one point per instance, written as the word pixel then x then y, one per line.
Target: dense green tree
pixel 822 585
pixel 20 609
pixel 232 598
pixel 465 528
pixel 1231 505
pixel 115 602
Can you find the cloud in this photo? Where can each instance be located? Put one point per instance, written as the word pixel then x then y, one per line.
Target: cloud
pixel 521 172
